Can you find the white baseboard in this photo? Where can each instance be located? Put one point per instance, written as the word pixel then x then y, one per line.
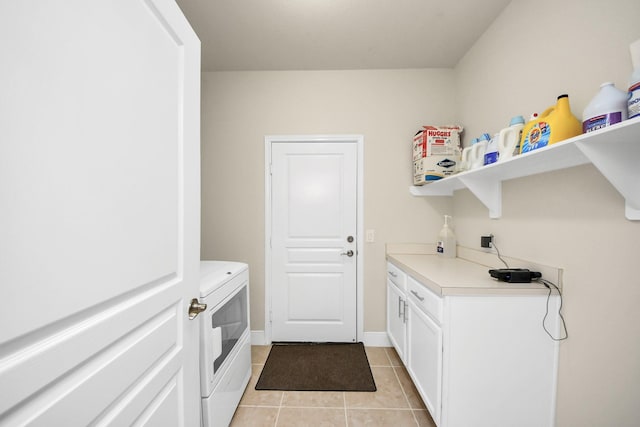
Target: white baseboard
pixel 371 339
pixel 257 338
pixel 376 339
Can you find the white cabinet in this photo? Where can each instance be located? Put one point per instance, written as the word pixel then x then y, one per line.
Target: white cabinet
pixel 478 359
pixel 396 318
pixel 424 358
pixel 396 309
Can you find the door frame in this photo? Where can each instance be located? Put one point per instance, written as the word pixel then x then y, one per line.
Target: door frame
pixel 306 139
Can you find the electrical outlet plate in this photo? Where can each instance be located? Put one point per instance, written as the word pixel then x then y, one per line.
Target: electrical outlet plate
pixel 485 241
pixel 370 236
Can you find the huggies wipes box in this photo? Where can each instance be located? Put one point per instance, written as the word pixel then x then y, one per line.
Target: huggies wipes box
pixel 436 153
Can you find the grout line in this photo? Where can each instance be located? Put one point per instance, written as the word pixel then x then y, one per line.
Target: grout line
pixel 346 416
pixel 296 407
pixel 363 408
pixel 404 393
pixel 378 409
pixel 386 353
pixel 279 409
pixel 259 406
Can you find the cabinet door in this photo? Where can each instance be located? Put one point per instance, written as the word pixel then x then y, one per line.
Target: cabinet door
pixel 424 353
pixel 396 318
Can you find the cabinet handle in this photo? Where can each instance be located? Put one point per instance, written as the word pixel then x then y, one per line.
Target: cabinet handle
pixel 417 296
pixel 400 305
pixel 404 317
pixel 392 274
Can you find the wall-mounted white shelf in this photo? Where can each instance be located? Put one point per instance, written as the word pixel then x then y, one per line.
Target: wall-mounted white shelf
pixel 614 151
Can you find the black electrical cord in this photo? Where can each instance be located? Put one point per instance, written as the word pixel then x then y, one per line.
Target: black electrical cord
pixel 548 285
pixel 498 252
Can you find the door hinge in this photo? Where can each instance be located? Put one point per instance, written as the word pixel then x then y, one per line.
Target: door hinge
pixel 270 168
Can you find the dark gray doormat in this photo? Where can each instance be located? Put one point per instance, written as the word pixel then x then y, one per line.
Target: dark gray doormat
pixel 317 367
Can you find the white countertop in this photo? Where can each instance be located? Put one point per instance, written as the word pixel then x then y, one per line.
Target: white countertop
pixel 458 276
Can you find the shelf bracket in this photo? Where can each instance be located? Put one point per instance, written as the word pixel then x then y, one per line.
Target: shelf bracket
pixel 488 191
pixel 631 212
pixel 619 167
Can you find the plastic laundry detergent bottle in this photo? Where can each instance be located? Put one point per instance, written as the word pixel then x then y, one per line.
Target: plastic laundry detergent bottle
pixel 608 107
pixel 509 139
pixel 633 102
pixel 491 152
pixel 465 158
pixel 476 157
pixel 555 124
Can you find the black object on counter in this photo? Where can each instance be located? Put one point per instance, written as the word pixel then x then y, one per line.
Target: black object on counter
pixel 515 275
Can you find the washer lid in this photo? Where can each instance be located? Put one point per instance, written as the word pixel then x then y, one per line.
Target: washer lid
pixel 214 274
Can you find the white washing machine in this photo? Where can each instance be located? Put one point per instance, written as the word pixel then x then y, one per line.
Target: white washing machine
pixel 225 344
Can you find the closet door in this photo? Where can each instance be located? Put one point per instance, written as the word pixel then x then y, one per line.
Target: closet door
pixel 99 225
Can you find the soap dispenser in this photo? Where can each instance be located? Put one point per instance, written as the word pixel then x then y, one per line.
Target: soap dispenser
pixel 446 247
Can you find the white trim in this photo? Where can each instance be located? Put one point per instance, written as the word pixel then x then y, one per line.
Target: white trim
pixel 268 141
pixel 376 339
pixel 257 338
pixel 371 339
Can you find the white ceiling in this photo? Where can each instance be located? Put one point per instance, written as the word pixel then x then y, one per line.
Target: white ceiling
pixel 337 34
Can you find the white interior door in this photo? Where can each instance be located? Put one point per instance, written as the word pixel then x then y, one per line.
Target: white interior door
pixel 314 241
pixel 99 225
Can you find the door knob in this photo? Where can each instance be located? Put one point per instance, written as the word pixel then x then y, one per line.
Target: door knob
pixel 348 253
pixel 196 308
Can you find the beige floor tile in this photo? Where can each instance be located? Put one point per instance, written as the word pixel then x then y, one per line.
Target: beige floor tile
pixel 424 418
pixel 256 369
pixel 388 395
pixel 316 399
pixel 377 356
pixel 259 354
pixel 388 406
pixel 311 417
pixel 380 418
pixel 415 401
pixel 254 417
pixel 253 397
pixel 392 354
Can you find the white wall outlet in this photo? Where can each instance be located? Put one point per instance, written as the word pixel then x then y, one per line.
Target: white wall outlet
pixel 370 236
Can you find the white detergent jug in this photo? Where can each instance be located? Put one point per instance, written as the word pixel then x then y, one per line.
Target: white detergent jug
pixel 509 139
pixel 465 158
pixel 476 158
pixel 491 152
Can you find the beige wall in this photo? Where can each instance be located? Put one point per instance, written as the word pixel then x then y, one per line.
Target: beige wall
pixel 573 219
pixel 386 106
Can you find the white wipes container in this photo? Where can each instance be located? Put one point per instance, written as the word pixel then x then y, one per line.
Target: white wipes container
pixel 608 107
pixel 509 139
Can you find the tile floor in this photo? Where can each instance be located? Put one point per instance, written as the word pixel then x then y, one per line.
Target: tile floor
pixel 396 402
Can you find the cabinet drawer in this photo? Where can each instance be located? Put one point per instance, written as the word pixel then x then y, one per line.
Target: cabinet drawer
pixel 424 299
pixel 397 276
